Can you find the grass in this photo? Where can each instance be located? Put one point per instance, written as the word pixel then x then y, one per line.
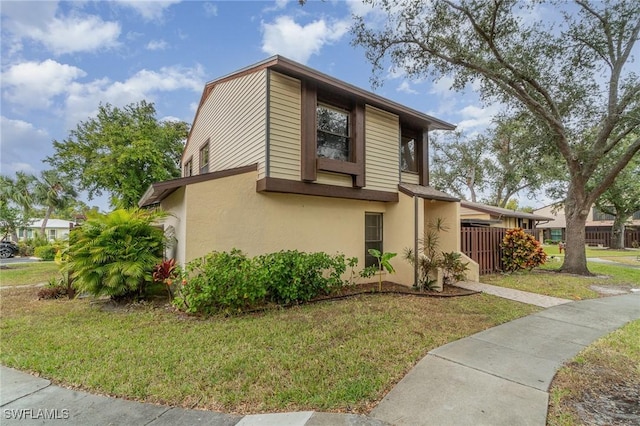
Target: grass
pixel 337 356
pixel 603 381
pixel 27 273
pixel 545 280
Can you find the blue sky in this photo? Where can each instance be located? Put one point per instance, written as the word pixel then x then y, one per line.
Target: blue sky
pixel 61 59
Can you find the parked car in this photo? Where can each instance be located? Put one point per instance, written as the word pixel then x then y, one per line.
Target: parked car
pixel 8 249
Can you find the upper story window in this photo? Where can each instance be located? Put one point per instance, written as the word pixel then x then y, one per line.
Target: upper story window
pixel 600 216
pixel 204 158
pixel 188 168
pixel 333 139
pixel 408 154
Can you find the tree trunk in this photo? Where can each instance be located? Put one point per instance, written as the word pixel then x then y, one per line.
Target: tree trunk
pixel 617 233
pixel 43 227
pixel 575 259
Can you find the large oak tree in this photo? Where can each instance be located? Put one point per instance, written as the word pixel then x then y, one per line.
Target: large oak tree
pixel 121 151
pixel 569 65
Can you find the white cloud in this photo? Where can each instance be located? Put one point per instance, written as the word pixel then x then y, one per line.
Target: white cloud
pixel 210 9
pixel 83 99
pixel 157 45
pixel 474 116
pixel 405 87
pixel 285 37
pixel 21 142
pixel 34 84
pixel 442 87
pixel 170 118
pixel 149 10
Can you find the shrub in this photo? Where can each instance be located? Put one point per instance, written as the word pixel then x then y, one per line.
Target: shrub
pixel 230 282
pixel 521 251
pixel 114 254
pixel 293 276
pixel 220 282
pixel 47 252
pixel 54 290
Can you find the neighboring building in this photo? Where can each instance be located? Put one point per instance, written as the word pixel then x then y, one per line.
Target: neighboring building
pixel 598 225
pixel 482 215
pixel 56 229
pixel 281 156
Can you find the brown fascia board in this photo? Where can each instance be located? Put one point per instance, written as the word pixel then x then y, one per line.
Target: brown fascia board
pixel 294 69
pixel 161 190
pixel 501 211
pixel 425 192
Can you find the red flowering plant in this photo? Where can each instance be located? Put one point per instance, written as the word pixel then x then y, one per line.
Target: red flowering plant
pixel 166 272
pixel 521 251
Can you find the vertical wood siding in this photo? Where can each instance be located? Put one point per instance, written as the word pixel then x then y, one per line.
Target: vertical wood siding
pixel 233 117
pixel 284 127
pixel 381 146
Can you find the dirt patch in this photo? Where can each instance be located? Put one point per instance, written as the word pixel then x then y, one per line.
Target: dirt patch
pixel 600 396
pixel 611 290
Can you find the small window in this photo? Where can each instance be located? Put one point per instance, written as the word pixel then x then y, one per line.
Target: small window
pixel 333 133
pixel 556 235
pixel 408 154
pixel 188 168
pixel 372 237
pixel 204 158
pixel 52 234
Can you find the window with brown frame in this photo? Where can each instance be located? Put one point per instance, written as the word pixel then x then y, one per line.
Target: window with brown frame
pixel 334 133
pixel 204 158
pixel 408 154
pixel 372 237
pixel 188 168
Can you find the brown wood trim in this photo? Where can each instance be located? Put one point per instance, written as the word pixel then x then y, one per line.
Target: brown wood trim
pixel 160 190
pixel 423 158
pixel 359 146
pixel 320 190
pixel 308 132
pixel 406 191
pixel 337 166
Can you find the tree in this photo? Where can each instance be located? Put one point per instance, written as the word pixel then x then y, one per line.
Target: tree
pixel 53 192
pixel 121 151
pixel 622 200
pixel 498 162
pixel 512 169
pixel 16 203
pixel 459 165
pixel 571 75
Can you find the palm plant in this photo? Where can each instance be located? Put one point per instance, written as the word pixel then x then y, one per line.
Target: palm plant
pixel 115 254
pixel 53 192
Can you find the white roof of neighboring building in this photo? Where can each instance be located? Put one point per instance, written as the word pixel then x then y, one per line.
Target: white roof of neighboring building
pixel 51 223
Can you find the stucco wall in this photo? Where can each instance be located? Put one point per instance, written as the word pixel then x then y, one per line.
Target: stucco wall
pixel 228 213
pixel 175 205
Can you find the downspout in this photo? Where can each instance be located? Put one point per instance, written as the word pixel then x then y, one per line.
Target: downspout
pixel 415 241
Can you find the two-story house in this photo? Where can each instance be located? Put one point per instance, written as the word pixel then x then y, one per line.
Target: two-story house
pixel 281 156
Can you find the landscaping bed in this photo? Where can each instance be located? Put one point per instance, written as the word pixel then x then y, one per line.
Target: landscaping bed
pixel 339 355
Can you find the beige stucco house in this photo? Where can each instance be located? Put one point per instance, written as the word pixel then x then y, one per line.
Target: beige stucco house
pixel 281 156
pixel 483 215
pixel 598 225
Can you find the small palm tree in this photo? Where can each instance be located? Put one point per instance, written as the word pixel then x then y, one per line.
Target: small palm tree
pixel 383 263
pixel 115 254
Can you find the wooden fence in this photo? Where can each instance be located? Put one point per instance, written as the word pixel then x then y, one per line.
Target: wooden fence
pixel 483 246
pixel 602 237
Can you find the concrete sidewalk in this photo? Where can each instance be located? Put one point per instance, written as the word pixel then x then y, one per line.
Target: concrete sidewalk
pixel 496 377
pixel 500 376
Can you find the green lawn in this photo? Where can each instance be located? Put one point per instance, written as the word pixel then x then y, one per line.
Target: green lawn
pixel 27 273
pixel 601 380
pixel 330 356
